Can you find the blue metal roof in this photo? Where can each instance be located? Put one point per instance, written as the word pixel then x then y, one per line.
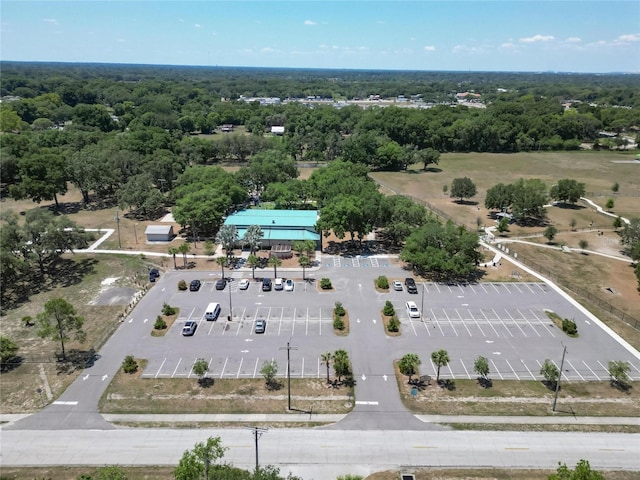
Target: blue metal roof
pixel 275 234
pixel 274 218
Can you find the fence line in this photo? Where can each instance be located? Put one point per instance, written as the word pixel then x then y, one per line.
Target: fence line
pixel 584 294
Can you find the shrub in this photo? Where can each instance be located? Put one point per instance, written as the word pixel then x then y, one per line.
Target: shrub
pixel 338 323
pixel 168 309
pixel 325 284
pixel 130 365
pixel 388 309
pixel 27 321
pixel 394 324
pixel 339 310
pixel 382 282
pixel 182 285
pixel 160 323
pixel 569 327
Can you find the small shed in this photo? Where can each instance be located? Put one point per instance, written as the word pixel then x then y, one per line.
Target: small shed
pixel 277 130
pixel 159 233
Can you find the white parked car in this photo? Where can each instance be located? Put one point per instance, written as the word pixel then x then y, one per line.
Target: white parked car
pixel 278 284
pixel 397 285
pixel 243 284
pixel 288 285
pixel 412 310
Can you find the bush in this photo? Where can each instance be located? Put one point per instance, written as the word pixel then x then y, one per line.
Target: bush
pixel 325 284
pixel 27 321
pixel 182 285
pixel 130 365
pixel 338 323
pixel 339 310
pixel 160 323
pixel 569 327
pixel 394 324
pixel 382 282
pixel 388 309
pixel 168 310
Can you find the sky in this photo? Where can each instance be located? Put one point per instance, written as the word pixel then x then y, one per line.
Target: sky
pixel 500 35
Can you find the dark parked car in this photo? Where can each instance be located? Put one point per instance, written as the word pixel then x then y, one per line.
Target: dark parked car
pixel 189 328
pixel 194 286
pixel 154 274
pixel 220 284
pixel 411 285
pixel 266 284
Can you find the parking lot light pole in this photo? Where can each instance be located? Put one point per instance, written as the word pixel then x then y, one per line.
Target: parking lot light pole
pixel 555 400
pixel 422 305
pixel 230 306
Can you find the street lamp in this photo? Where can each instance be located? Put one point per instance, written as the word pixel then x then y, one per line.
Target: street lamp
pixel 422 304
pixel 230 306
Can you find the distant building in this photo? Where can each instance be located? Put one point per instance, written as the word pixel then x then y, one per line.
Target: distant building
pixel 159 233
pixel 227 128
pixel 277 130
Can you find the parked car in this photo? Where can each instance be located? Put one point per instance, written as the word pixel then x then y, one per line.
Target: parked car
pixel 243 284
pixel 189 328
pixel 278 284
pixel 410 283
pixel 154 274
pixel 220 284
pixel 412 310
pixel 266 284
pixel 288 285
pixel 397 285
pixel 194 286
pixel 261 326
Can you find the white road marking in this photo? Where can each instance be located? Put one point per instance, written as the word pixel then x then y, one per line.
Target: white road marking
pixel 104 377
pixel 385 377
pixel 364 377
pixel 60 402
pixel 364 402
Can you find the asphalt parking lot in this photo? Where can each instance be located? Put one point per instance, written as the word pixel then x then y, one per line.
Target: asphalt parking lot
pixel 505 322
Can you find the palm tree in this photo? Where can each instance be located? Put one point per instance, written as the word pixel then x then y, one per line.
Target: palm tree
pixel 174 251
pixel 227 237
pixel 326 360
pixel 341 363
pixel 184 248
pixel 252 237
pixel 304 263
pixel 409 365
pixel 253 261
pixel 222 261
pixel 440 359
pixel 275 262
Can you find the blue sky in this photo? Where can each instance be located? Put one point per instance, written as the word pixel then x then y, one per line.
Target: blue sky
pixel 499 35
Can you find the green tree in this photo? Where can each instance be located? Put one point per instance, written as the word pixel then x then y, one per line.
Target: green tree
pixel 610 204
pixel 253 261
pixel 8 351
pixel 184 248
pixel 503 225
pixel 195 463
pixel 428 156
pixel 274 262
pixel 269 371
pixel 209 248
pixel 129 365
pixel 583 244
pixel 112 472
pixel 619 373
pixel 341 364
pixel 481 367
pixel 253 237
pixel 630 238
pixel 58 320
pixel 550 372
pixel 222 262
pixel 550 233
pixel 140 195
pixel 326 359
pixel 529 198
pixel 617 222
pixel 615 188
pixel 573 223
pixel 409 364
pixel 173 251
pixel 9 120
pixel 567 191
pixel 462 188
pixel 582 472
pixel 227 237
pixel 43 177
pixel 440 359
pixel 304 262
pixel 267 167
pixel 200 368
pixel 399 216
pixel 499 197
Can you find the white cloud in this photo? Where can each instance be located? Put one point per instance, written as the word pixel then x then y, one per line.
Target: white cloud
pixel 467 49
pixel 197 25
pixel 537 38
pixel 629 38
pixel 429 48
pixel 508 45
pixel 310 22
pixel 50 20
pixel 574 40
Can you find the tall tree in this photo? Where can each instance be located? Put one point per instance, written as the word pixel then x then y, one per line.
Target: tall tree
pixel 252 237
pixel 43 176
pixel 440 359
pixel 326 359
pixel 200 368
pixel 253 261
pixel 304 262
pixel 58 321
pixel 222 262
pixel 567 190
pixel 630 238
pixel 341 363
pixel 462 188
pixel 195 463
pixel 409 364
pixel 481 367
pixel 227 236
pixel 274 262
pixel 9 351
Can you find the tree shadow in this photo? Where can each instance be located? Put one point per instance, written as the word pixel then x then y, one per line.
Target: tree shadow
pixel 551 385
pixel 465 202
pixel 76 360
pixel 432 170
pixel 11 364
pixel 447 384
pixel 485 382
pixel 66 272
pixel 206 382
pixel 621 386
pixel 570 206
pixel 275 385
pixel 420 383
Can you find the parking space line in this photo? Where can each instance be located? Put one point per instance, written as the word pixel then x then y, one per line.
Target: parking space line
pixel 497 371
pixel 450 322
pixel 542 323
pixel 541 286
pixel 176 369
pixel 465 370
pixel 489 322
pixel 472 289
pixel 525 366
pixel 464 324
pixel 505 286
pixel 516 322
pixel 603 367
pixel 160 369
pixel 495 288
pixel 255 369
pixel 528 322
pixel 515 285
pixel 502 321
pixel 561 373
pixel 240 367
pixel 437 288
pixel 223 367
pixel 514 372
pixel 477 323
pixel 435 319
pixel 302 369
pixel 594 373
pixel 411 322
pixel 633 366
pixel 575 369
pixel 529 287
pixel 451 371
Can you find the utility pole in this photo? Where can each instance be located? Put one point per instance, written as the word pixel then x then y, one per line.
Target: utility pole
pixel 118 227
pixel 257 433
pixel 555 400
pixel 289 348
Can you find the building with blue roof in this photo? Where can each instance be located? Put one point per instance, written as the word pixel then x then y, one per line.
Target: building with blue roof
pixel 279 227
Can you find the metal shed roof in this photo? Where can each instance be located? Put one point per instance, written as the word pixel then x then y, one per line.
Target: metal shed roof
pixel 274 218
pixel 158 229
